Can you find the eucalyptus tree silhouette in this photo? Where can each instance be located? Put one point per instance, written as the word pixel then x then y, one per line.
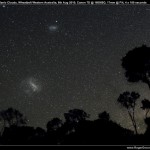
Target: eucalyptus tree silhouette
pixel 76 115
pixel 12 117
pixel 128 100
pixel 73 118
pixel 146 106
pixel 137 65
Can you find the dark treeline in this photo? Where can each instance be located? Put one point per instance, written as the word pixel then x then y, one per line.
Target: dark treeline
pixel 78 129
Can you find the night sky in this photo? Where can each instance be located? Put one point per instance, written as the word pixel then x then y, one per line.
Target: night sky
pixel 54 58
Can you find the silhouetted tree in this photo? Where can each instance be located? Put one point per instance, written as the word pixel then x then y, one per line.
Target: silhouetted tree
pixel 137 65
pixel 104 115
pixel 12 117
pixel 146 106
pixel 54 124
pixel 128 100
pixel 73 118
pixel 76 115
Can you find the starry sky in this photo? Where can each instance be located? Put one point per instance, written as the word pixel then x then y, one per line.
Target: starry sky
pixel 54 58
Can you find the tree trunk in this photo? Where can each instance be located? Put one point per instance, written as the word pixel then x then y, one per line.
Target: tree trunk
pixel 2 130
pixel 135 127
pixel 147 111
pixel 133 122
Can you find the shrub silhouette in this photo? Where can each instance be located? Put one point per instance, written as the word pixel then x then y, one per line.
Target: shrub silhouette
pixel 104 115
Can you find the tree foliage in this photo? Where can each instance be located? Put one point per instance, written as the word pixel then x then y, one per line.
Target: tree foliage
pixel 146 106
pixel 137 65
pixel 76 115
pixel 54 124
pixel 12 117
pixel 104 115
pixel 128 100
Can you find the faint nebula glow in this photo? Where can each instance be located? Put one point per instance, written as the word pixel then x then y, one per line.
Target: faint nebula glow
pixel 31 86
pixel 53 28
